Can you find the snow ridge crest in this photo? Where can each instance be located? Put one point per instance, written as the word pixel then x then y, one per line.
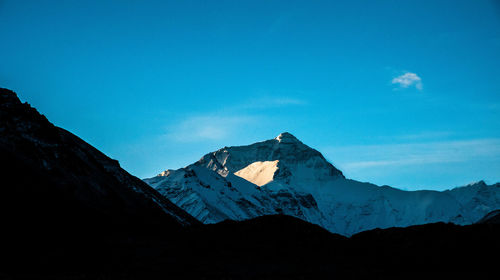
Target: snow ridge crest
pixel 287 137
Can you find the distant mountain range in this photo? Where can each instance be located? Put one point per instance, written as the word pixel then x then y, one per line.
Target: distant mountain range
pixel 285 176
pixel 67 211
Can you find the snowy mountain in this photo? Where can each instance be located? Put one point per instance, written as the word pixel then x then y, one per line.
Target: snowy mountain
pixel 285 176
pixel 70 212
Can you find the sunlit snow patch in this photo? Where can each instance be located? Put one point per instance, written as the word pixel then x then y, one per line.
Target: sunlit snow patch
pixel 259 172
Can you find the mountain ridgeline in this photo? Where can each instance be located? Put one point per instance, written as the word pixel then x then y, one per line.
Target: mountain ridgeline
pixel 285 176
pixel 59 168
pixel 61 198
pixel 68 211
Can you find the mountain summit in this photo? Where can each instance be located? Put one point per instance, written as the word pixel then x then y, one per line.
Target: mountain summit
pixel 285 176
pixel 286 137
pixel 70 212
pixel 287 157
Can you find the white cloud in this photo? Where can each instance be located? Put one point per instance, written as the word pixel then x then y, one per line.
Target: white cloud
pixel 207 127
pixel 408 79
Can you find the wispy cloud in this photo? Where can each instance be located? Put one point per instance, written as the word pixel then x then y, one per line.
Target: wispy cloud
pixel 207 127
pixel 407 80
pixel 227 121
pixel 425 135
pixel 273 102
pixel 370 156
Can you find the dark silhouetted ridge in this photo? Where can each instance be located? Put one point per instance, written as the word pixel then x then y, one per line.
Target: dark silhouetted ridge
pixel 59 196
pixel 491 218
pixel 67 211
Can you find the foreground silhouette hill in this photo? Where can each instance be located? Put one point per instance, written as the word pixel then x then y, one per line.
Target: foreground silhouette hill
pixel 69 212
pixel 60 196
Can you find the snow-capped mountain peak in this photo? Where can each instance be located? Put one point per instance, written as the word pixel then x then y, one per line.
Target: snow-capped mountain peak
pixel 284 175
pixel 287 137
pixel 291 157
pixel 165 173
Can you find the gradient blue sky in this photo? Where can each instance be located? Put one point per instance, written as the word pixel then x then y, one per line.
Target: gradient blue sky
pixel 404 93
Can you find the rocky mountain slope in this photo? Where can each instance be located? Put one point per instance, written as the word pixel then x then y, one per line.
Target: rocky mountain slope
pixel 285 176
pixel 59 195
pixel 491 218
pixel 76 169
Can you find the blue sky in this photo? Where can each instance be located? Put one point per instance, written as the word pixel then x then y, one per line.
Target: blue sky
pixel 404 93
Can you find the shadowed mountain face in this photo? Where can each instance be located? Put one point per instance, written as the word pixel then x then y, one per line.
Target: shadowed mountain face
pixel 55 188
pixel 491 218
pixel 69 212
pixel 54 164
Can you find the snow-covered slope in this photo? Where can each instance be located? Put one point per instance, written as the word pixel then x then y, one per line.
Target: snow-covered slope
pixel 283 175
pixel 259 172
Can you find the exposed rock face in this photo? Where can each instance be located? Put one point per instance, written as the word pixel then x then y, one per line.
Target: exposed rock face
pixel 283 175
pixel 292 154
